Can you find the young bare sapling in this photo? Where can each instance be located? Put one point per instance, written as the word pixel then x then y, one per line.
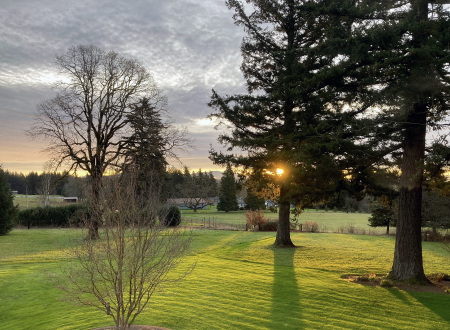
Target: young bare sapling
pixel 134 257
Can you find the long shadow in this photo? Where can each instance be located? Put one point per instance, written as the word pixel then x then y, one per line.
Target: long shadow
pixel 439 304
pixel 286 309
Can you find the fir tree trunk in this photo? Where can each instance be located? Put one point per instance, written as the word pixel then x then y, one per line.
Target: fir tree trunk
pixel 408 263
pixel 283 238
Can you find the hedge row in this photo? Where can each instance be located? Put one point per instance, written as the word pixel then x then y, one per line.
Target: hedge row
pixel 63 216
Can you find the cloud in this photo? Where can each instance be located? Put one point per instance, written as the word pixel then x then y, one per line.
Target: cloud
pixel 190 47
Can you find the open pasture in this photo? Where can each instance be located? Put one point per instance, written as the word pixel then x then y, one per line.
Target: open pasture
pixel 30 201
pixel 240 282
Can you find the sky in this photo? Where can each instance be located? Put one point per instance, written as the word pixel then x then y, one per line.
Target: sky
pixel 189 46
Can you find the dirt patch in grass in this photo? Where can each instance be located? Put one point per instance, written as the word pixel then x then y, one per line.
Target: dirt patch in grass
pixel 440 283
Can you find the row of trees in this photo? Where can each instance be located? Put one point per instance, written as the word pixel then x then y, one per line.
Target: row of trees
pixel 31 183
pixel 195 189
pixel 336 91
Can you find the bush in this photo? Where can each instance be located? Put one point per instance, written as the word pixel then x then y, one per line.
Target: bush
pixel 432 236
pixel 255 218
pixel 269 226
pixel 62 216
pixel 310 226
pixel 386 283
pixel 273 209
pixel 171 217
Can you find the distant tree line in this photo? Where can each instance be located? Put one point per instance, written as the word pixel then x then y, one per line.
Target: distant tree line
pixel 195 188
pixel 30 183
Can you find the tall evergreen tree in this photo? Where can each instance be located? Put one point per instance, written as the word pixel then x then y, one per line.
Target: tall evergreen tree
pixel 405 59
pixel 227 193
pixel 426 96
pixel 147 145
pixel 8 211
pixel 253 202
pixel 298 95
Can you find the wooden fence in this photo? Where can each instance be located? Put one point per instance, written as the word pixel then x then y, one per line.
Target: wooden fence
pixel 212 223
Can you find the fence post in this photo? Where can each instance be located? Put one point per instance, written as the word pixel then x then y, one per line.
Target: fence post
pixel 300 226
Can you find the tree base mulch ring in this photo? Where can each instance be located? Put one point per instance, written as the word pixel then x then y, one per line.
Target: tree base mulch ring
pixel 135 327
pixel 440 283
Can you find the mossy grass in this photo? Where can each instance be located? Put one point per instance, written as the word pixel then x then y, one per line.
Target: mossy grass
pixel 241 282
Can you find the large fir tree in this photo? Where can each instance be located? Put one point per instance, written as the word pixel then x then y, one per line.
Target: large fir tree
pixel 227 193
pixel 405 58
pixel 295 115
pixel 254 202
pixel 425 95
pixel 146 145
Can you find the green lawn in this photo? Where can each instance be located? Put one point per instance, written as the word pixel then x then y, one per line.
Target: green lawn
pixel 328 221
pixel 240 282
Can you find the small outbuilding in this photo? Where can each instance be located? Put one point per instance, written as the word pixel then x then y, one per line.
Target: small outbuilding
pixel 70 199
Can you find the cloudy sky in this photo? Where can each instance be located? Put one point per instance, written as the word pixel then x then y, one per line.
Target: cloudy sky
pixel 190 47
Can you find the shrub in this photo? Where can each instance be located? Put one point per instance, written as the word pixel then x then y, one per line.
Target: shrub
pixel 171 217
pixel 351 229
pixel 372 277
pixel 273 209
pixel 255 218
pixel 62 216
pixel 385 283
pixel 363 278
pixel 310 226
pixel 432 236
pixel 269 226
pixel 439 277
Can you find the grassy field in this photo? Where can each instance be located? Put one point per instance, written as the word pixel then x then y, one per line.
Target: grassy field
pixel 328 221
pixel 29 201
pixel 240 282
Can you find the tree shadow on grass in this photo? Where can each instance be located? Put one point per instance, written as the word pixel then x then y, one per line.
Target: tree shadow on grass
pixel 286 309
pixel 439 304
pixel 399 295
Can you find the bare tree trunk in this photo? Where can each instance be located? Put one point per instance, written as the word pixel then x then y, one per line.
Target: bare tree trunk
pixel 283 238
pixel 95 219
pixel 44 189
pixel 408 263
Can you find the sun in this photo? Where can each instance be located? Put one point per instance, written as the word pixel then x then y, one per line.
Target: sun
pixel 280 171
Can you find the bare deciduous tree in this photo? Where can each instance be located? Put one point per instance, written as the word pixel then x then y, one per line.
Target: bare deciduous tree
pixel 85 124
pixel 44 189
pixel 134 256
